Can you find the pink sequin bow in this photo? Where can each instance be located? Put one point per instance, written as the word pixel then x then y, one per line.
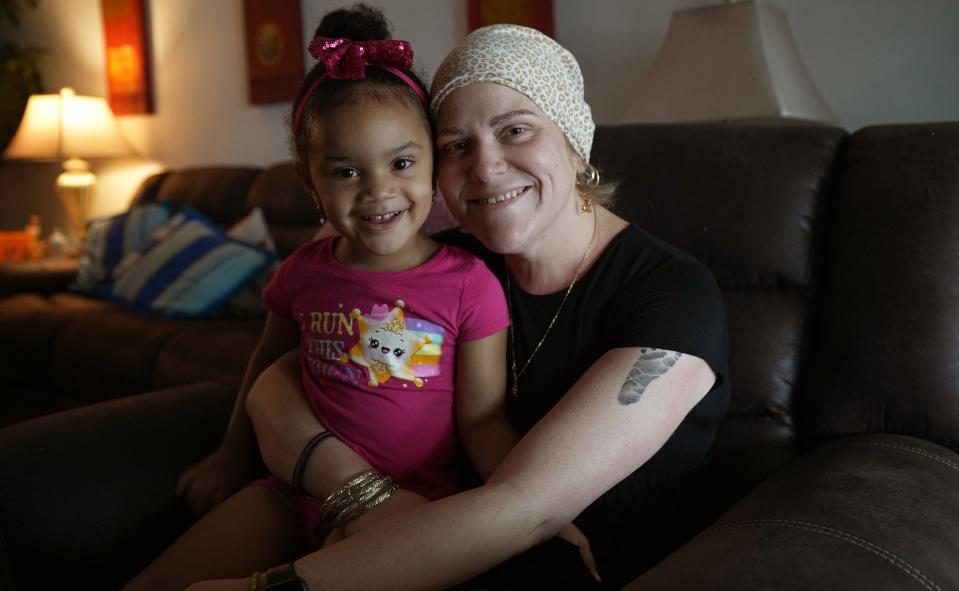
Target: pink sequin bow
pixel 346 59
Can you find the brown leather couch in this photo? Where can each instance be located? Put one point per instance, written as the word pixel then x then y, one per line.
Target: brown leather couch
pixel 61 349
pixel 836 468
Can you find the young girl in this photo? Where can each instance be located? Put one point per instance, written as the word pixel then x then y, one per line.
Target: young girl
pixel 382 312
pixel 388 324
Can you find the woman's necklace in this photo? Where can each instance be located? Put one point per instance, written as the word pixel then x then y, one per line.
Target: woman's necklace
pixel 509 303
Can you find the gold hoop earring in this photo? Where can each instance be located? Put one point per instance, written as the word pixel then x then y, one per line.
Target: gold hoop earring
pixel 586 183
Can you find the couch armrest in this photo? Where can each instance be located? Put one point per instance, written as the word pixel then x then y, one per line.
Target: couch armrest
pixel 87 496
pixel 878 512
pixel 42 276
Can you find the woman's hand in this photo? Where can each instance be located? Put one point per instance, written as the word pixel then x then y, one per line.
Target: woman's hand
pixel 574 536
pixel 217 476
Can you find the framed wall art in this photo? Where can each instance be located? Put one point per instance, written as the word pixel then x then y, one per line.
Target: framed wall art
pixel 126 36
pixel 537 14
pixel 274 49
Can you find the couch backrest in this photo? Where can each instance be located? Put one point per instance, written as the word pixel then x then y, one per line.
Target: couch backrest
pixel 292 216
pixel 226 194
pixel 747 201
pixel 836 256
pixel 886 348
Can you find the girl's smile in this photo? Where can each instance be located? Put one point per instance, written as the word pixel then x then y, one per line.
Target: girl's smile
pixel 371 167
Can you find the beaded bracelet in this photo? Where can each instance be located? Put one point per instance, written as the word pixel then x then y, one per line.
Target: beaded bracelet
pixel 300 467
pixel 255 581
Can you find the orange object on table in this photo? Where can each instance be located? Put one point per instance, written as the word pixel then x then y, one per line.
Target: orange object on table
pixel 17 246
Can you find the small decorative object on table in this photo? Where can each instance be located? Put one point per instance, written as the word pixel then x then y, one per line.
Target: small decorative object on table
pixel 17 246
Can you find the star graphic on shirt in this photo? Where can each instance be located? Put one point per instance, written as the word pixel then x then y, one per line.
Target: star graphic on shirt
pixel 386 347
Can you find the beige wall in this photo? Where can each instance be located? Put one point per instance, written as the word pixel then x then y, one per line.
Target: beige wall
pixel 876 61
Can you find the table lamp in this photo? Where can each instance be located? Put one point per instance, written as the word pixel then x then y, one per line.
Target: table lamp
pixel 735 61
pixel 69 128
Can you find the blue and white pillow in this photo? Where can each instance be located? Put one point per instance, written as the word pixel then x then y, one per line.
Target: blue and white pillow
pixel 108 240
pixel 189 269
pixel 252 229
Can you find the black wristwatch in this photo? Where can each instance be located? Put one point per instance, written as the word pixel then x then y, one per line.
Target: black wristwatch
pixel 284 578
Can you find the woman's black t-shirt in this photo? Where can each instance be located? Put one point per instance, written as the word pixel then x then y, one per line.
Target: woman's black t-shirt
pixel 640 292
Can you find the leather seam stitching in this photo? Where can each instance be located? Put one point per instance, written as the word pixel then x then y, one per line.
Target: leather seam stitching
pixel 908 448
pixel 897 561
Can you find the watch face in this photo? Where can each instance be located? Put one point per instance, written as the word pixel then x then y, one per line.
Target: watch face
pixel 284 578
pixel 294 584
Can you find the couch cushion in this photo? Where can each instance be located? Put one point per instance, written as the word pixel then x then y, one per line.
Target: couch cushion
pixel 30 325
pixel 93 490
pixel 875 512
pixel 292 216
pixel 887 345
pixel 748 202
pixel 206 351
pixel 108 354
pixel 120 352
pixel 219 192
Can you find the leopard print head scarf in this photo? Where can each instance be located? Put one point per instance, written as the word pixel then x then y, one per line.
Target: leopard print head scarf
pixel 526 61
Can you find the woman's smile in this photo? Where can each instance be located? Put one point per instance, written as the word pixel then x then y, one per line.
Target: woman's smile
pixel 500 198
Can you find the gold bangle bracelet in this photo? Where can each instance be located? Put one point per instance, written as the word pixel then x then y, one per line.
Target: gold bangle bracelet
pixel 347 494
pixel 355 498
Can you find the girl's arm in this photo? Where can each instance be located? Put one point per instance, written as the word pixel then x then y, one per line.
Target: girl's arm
pixel 231 465
pixel 481 402
pixel 285 423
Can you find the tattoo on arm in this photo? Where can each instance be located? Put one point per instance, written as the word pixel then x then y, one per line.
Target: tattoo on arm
pixel 651 365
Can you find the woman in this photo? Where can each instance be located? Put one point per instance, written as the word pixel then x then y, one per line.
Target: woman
pixel 618 353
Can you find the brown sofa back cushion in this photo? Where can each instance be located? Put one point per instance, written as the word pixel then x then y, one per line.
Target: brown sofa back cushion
pixel 747 202
pixel 887 344
pixel 226 194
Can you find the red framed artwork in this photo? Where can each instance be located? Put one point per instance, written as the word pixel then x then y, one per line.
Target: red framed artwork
pixel 125 33
pixel 274 49
pixel 537 14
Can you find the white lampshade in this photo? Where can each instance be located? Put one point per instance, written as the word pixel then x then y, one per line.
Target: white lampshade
pixel 70 128
pixel 59 126
pixel 732 61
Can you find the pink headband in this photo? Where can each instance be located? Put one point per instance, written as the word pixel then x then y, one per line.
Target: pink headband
pixel 345 59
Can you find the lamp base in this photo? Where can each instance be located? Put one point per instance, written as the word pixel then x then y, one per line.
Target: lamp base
pixel 75 187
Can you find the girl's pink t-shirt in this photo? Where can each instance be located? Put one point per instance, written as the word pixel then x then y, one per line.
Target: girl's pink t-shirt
pixel 378 352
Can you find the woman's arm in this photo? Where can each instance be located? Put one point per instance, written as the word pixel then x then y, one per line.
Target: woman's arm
pixel 611 422
pixel 484 429
pixel 231 465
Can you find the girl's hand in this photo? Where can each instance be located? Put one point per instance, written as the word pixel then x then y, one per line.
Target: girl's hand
pixel 206 484
pixel 571 534
pixel 221 585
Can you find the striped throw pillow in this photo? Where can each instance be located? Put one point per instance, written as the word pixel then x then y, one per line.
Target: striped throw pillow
pixel 108 240
pixel 189 269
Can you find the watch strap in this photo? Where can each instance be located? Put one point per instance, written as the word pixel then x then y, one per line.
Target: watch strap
pixel 284 578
